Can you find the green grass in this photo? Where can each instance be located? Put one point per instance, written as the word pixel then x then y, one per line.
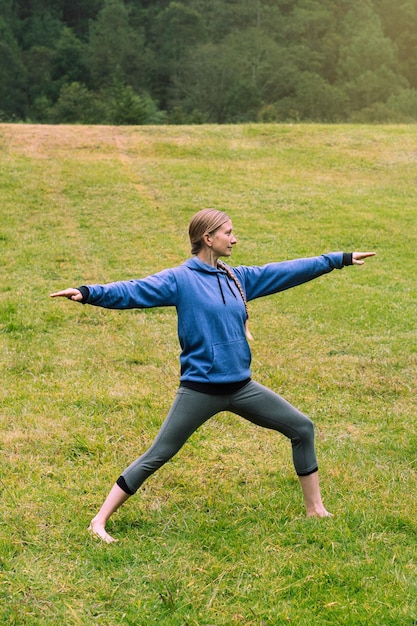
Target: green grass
pixel 218 536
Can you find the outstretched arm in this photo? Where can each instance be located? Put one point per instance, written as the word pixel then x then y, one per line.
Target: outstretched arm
pixel 153 291
pixel 71 294
pixel 358 257
pixel 264 280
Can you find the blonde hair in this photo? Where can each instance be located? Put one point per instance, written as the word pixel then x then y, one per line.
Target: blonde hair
pixel 208 221
pixel 205 221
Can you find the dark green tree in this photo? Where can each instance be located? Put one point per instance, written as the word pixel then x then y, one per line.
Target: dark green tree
pixel 314 100
pixel 77 15
pixel 76 105
pixel 399 21
pixel 50 69
pixel 39 65
pixel 204 81
pixel 40 28
pixel 176 29
pixel 404 105
pixel 13 99
pixel 125 107
pixel 116 52
pixel 368 67
pixel 68 63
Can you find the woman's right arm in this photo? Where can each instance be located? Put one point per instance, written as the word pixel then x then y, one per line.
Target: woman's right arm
pixel 154 291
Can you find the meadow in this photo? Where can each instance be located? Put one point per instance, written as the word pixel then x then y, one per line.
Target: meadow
pixel 218 536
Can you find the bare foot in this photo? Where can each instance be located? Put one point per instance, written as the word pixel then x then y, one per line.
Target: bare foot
pixel 99 531
pixel 322 513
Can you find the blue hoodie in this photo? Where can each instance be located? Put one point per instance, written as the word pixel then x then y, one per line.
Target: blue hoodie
pixel 211 313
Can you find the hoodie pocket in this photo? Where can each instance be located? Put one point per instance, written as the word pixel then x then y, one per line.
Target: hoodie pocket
pixel 229 358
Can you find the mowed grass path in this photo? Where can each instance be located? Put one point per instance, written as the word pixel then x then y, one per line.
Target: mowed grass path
pixel 218 536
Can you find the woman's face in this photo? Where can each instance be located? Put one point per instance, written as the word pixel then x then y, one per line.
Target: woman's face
pixel 222 240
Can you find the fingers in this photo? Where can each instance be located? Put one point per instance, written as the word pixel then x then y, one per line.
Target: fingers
pixel 65 293
pixel 357 257
pixel 363 255
pixel 71 294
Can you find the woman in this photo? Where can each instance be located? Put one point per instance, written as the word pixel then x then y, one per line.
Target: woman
pixel 211 302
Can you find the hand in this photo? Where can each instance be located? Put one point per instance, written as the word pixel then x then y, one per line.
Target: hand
pixel 71 294
pixel 357 257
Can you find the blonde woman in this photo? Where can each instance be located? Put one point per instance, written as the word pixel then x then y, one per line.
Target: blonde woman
pixel 211 301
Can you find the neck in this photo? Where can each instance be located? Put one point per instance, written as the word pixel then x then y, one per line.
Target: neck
pixel 207 256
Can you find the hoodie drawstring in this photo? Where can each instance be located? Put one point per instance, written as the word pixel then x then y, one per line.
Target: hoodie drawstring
pixel 220 287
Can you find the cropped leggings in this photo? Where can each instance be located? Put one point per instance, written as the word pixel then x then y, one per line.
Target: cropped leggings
pixel 191 409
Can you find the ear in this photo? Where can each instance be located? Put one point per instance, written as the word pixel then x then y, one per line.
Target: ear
pixel 207 239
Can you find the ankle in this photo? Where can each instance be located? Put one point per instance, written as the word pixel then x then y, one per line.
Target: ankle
pixel 98 521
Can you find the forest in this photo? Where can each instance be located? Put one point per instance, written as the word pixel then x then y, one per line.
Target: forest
pixel 208 61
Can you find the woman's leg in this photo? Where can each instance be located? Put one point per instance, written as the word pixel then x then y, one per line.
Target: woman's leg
pixel 265 408
pixel 115 499
pixel 189 411
pixel 312 497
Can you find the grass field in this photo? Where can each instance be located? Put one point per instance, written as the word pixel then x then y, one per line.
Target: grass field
pixel 218 536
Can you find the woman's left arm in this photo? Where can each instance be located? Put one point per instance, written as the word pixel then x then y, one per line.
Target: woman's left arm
pixel 264 280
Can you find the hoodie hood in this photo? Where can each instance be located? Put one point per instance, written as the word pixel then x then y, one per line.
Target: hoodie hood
pixel 199 266
pixel 221 274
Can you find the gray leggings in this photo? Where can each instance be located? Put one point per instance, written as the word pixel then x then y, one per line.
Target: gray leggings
pixel 253 402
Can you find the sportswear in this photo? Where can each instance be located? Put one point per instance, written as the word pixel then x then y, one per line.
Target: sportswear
pixel 211 312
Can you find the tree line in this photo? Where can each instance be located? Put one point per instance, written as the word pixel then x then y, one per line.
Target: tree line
pixel 207 61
